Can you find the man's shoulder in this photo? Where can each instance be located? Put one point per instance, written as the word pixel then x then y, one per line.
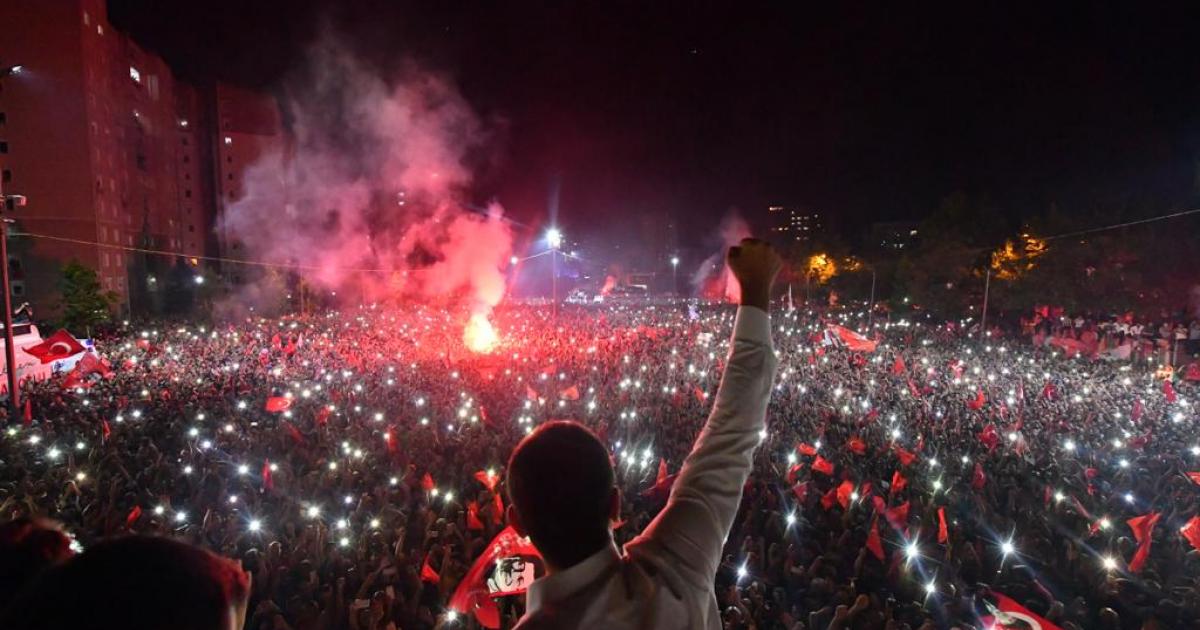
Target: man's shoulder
pixel 539 620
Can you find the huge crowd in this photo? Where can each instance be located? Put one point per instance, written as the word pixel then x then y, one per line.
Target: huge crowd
pixel 336 457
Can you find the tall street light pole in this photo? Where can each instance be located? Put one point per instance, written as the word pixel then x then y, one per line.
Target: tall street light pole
pixel 554 240
pixel 987 285
pixel 10 354
pixel 871 307
pixel 675 275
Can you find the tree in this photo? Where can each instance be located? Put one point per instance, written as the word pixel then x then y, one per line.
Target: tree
pixel 945 272
pixel 83 303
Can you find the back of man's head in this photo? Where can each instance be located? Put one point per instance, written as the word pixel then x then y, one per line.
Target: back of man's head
pixel 560 480
pixel 135 583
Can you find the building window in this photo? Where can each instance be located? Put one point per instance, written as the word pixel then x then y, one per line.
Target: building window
pixel 191 228
pixel 188 193
pixel 185 142
pixel 3 146
pixel 187 159
pixel 135 74
pixel 3 118
pixel 6 177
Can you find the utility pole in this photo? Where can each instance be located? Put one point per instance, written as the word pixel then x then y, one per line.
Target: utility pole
pixel 987 285
pixel 675 275
pixel 871 308
pixel 10 353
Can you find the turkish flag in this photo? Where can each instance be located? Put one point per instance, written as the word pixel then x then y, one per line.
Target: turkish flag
pixel 1193 372
pixel 570 393
pixel 1168 390
pixel 829 498
pixel 899 482
pixel 530 394
pixel 473 595
pixel 856 445
pixel 427 482
pixel 60 345
pixel 898 366
pixel 428 574
pixel 897 517
pixel 488 478
pixel 498 511
pixel 1007 614
pixel 805 449
pixel 874 544
pixel 1195 477
pixel 473 522
pixel 267 482
pixel 843 494
pixel 979 402
pixel 978 478
pixel 990 437
pixel 276 404
pixel 1048 391
pixel 133 516
pixel 943 531
pixel 906 458
pixel 822 465
pixel 1191 532
pixel 801 491
pixel 1143 528
pixel 295 433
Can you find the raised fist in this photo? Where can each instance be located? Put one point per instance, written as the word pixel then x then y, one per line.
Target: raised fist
pixel 755 264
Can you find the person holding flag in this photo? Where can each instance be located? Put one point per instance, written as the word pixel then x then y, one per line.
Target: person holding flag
pixel 562 495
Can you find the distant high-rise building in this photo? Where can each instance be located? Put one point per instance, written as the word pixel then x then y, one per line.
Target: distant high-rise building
pixel 121 163
pixel 248 126
pixel 793 224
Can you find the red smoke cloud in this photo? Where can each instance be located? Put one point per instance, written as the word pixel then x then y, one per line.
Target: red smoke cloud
pixel 368 192
pixel 714 280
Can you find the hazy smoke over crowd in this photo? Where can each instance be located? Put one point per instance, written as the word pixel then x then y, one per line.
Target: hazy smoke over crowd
pixel 368 190
pixel 713 279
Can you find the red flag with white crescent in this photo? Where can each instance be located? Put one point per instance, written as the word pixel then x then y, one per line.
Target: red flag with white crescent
pixel 506 567
pixel 60 345
pixel 1007 614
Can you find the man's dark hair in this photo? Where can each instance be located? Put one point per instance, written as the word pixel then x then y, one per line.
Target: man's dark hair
pixel 560 479
pixel 133 583
pixel 28 546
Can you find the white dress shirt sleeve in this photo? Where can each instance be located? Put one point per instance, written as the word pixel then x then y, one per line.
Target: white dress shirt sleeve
pixel 704 501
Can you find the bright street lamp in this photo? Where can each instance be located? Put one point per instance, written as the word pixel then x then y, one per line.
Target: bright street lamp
pixel 554 238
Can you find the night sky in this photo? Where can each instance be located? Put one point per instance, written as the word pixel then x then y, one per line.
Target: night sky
pixel 692 108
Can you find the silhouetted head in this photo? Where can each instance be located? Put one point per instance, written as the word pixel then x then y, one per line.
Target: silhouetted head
pixel 561 492
pixel 135 583
pixel 28 547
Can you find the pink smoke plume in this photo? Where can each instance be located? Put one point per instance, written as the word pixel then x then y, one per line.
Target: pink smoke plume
pixel 713 279
pixel 368 191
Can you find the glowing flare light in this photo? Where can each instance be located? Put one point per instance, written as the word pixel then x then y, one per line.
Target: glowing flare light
pixel 479 335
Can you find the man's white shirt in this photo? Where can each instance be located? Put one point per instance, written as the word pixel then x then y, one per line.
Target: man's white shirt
pixel 664 578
